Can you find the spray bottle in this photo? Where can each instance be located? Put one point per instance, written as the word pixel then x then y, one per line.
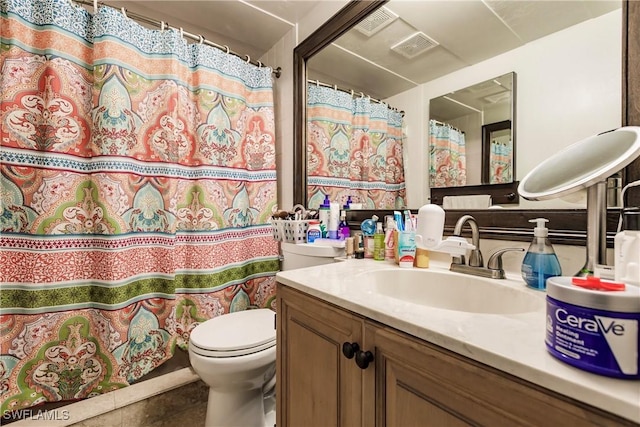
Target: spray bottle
pixel 541 261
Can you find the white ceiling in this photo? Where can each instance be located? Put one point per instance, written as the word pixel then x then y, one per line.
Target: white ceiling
pixel 467 32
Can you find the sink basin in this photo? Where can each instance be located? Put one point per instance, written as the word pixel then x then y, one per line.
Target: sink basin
pixel 451 291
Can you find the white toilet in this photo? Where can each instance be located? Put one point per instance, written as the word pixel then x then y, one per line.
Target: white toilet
pixel 235 355
pixel 300 255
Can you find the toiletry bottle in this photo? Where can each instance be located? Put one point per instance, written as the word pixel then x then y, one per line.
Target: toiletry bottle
pixel 541 261
pixel 313 232
pixel 389 241
pixel 350 247
pixel 323 215
pixel 347 205
pixel 368 226
pixel 626 250
pixel 378 243
pixel 358 244
pixel 334 220
pixel 343 228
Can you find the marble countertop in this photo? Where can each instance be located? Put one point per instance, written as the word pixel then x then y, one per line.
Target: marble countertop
pixel 512 343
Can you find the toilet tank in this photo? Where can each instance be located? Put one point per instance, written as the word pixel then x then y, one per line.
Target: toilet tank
pixel 299 255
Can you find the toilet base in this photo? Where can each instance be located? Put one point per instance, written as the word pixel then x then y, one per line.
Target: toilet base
pixel 241 409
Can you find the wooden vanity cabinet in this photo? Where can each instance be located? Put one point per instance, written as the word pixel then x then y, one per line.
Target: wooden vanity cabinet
pixel 409 382
pixel 319 386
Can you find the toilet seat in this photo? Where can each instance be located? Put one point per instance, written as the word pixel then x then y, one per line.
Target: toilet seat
pixel 235 334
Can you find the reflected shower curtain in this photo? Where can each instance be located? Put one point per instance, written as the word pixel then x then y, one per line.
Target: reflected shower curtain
pixel 137 178
pixel 500 170
pixel 354 148
pixel 447 159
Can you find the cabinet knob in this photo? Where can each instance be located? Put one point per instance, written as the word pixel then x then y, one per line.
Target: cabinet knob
pixel 349 349
pixel 363 358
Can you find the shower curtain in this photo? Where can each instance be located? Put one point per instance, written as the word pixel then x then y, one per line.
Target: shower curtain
pixel 447 159
pixel 354 148
pixel 137 179
pixel 500 170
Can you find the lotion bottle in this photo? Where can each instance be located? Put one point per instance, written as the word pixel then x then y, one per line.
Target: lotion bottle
pixel 323 215
pixel 334 220
pixel 540 261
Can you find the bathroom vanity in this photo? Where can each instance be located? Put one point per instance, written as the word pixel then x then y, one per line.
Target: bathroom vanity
pixel 358 348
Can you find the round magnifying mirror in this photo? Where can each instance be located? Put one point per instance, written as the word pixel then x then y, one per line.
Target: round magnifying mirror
pixel 582 164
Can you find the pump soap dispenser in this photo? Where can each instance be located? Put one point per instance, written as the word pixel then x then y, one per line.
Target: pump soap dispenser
pixel 541 261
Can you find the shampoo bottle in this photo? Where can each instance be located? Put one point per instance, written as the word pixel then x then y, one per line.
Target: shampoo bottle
pixel 323 215
pixel 541 261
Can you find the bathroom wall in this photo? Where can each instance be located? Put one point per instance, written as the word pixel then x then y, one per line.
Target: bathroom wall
pixel 557 102
pixel 282 55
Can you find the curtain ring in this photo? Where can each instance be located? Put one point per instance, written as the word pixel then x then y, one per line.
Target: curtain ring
pixel 361 95
pixel 248 59
pixel 335 87
pixel 201 38
pixel 351 92
pixel 227 48
pixel 124 12
pixel 317 83
pixel 181 32
pixel 259 64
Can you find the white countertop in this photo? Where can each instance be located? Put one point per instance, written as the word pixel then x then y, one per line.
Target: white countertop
pixel 512 343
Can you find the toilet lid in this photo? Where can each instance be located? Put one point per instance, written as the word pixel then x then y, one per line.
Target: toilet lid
pixel 237 333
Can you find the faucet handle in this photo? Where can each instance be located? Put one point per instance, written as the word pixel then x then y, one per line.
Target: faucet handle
pixel 495 260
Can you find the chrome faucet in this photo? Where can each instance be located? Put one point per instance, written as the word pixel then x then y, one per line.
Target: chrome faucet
pixel 494 269
pixel 475 259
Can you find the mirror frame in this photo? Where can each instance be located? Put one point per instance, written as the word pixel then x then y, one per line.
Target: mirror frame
pixel 567 226
pixel 486 148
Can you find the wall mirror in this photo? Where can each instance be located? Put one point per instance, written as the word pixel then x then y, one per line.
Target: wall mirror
pixel 483 113
pixel 529 104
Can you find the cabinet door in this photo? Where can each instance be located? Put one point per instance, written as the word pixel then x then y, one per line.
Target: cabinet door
pixel 419 384
pixel 317 385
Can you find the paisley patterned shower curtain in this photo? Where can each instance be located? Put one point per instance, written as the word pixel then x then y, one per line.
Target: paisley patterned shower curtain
pixel 500 170
pixel 354 148
pixel 447 158
pixel 137 178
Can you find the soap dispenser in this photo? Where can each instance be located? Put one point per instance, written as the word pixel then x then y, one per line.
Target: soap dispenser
pixel 541 261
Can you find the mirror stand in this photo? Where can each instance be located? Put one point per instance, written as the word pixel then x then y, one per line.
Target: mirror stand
pixel 596 228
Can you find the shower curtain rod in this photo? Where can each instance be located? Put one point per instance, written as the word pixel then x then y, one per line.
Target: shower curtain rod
pixel 165 26
pixel 447 125
pixel 336 87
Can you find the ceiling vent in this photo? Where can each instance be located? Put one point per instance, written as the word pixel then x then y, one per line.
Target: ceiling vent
pixel 414 45
pixel 498 97
pixel 376 21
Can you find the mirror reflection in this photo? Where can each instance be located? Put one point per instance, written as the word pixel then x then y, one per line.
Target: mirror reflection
pixel 470 135
pixel 568 70
pixel 354 150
